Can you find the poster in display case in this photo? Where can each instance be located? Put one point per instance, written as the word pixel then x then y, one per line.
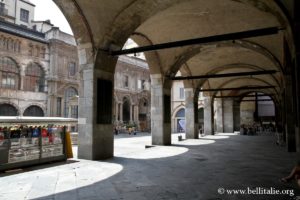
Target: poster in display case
pixel 32 140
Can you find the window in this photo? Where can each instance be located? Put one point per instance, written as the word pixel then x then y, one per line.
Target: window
pixel 70 94
pixel 58 107
pixel 24 15
pixel 9 73
pixel 34 111
pixel 126 81
pixel 8 81
pixel 141 84
pixel 34 78
pixel 181 93
pixel 74 111
pixel 180 113
pixel 72 69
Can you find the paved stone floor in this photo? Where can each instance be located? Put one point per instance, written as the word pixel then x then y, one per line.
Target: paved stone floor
pixel 189 169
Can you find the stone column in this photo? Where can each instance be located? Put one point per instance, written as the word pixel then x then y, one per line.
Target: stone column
pixel 136 114
pixel 69 111
pixel 297 82
pixel 95 138
pixel 236 115
pixel 130 113
pixel 290 123
pixel 121 112
pixel 219 115
pixel 208 116
pixel 228 115
pixel 296 62
pixel 160 112
pixel 190 127
pixel 116 111
pixel 86 115
pixel 135 117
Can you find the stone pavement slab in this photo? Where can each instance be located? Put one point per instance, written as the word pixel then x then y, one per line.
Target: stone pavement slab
pixel 203 168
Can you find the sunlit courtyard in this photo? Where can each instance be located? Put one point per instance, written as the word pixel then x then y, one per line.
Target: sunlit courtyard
pixel 189 169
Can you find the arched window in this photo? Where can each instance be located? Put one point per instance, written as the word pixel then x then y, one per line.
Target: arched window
pixel 8 110
pixel 71 101
pixel 34 111
pixel 181 113
pixel 34 78
pixel 9 73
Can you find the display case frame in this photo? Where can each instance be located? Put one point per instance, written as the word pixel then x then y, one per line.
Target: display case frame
pixel 28 141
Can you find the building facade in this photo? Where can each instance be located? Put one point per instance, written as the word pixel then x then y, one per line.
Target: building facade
pixel 132 93
pixel 24 69
pixel 178 106
pixel 39 65
pixel 19 12
pixel 39 74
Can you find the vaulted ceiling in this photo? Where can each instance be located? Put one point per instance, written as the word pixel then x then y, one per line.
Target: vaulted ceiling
pixel 106 25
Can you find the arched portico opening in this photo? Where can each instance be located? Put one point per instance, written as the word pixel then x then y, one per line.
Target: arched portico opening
pixel 8 110
pixel 126 110
pixel 101 38
pixel 34 111
pixel 180 120
pixel 258 112
pixel 201 118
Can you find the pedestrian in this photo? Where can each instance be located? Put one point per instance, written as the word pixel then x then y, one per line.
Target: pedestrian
pixel 116 131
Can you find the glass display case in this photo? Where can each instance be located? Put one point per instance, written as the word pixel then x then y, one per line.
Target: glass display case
pixel 31 140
